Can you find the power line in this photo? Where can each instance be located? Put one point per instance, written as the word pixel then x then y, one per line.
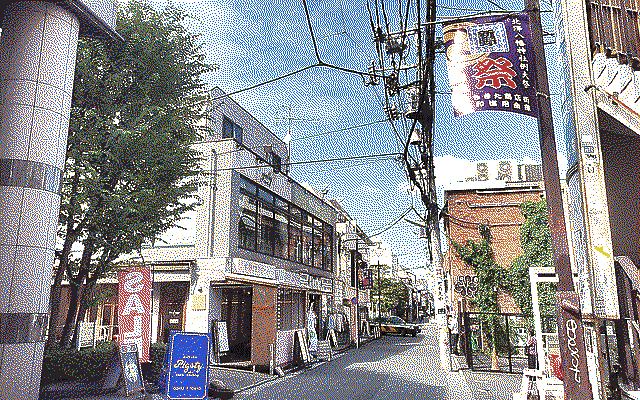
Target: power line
pixel 313 161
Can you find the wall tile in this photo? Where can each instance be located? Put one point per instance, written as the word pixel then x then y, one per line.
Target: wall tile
pixel 15 128
pixel 29 266
pixel 11 206
pixel 45 136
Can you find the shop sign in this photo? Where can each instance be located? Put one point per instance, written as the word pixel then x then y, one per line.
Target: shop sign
pixel 134 309
pixel 252 268
pixel 287 277
pixel 187 366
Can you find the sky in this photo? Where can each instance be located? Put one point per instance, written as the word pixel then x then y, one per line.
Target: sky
pixel 253 41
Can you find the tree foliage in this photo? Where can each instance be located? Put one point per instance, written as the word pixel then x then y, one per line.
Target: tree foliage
pixel 394 294
pixel 130 168
pixel 535 239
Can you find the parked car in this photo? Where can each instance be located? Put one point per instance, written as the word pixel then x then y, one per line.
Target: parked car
pixel 398 326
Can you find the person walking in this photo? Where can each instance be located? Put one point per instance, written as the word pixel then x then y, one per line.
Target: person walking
pixel 454 334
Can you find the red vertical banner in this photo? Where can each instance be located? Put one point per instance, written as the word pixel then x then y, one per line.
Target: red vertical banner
pixel 134 309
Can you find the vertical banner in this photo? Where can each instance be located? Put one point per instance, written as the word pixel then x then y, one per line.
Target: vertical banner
pixel 134 309
pixel 490 63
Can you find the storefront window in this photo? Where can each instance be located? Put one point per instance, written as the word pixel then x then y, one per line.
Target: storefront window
pixel 247 224
pixel 290 310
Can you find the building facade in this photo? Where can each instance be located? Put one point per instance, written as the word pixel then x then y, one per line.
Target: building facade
pixel 492 199
pixel 259 251
pixel 599 45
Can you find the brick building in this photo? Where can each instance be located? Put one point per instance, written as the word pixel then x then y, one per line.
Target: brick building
pixel 495 203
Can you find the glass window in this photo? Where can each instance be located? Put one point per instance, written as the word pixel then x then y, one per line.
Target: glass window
pixel 290 310
pixel 307 239
pixel 327 248
pixel 318 255
pixel 247 224
pixel 295 235
pixel 281 233
pixel 248 186
pixel 267 229
pixel 231 130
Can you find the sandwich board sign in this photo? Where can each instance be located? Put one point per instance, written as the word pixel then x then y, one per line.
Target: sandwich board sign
pixel 131 373
pixel 187 366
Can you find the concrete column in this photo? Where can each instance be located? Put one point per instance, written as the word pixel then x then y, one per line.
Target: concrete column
pixel 37 62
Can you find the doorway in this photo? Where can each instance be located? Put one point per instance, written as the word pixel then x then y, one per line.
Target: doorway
pixel 173 298
pixel 236 311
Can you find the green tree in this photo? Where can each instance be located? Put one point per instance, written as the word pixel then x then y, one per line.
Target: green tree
pixel 394 294
pixel 535 239
pixel 130 169
pixel 491 279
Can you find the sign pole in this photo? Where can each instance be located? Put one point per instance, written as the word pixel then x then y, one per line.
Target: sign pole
pixel 357 267
pixel 570 327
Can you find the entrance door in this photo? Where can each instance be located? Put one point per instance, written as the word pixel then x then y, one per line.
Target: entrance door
pixel 236 311
pixel 171 319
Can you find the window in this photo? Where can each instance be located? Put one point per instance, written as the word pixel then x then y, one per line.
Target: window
pixel 266 238
pixel 318 255
pixel 270 225
pixel 290 310
pixel 307 238
pixel 247 225
pixel 276 162
pixel 295 234
pixel 281 236
pixel 231 130
pixel 327 248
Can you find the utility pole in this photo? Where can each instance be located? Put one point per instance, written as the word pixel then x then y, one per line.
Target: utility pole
pixel 570 327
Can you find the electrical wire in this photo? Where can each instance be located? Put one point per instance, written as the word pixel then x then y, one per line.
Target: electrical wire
pixel 311 161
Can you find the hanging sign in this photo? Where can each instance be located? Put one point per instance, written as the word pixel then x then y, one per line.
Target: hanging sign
pixel 187 365
pixel 134 309
pixel 491 66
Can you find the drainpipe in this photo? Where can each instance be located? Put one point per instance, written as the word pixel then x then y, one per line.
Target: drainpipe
pixel 213 168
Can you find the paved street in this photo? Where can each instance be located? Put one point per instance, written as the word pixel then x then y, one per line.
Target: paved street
pixel 390 368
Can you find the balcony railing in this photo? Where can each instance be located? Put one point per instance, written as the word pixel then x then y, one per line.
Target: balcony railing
pixel 614 29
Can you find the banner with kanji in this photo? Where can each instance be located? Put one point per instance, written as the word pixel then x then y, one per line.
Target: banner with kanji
pixel 491 65
pixel 134 309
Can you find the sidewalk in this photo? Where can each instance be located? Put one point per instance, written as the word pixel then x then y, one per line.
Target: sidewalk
pixel 485 385
pixel 234 379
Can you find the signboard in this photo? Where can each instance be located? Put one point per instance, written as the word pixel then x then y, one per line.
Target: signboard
pixel 301 344
pixel 365 277
pixel 134 308
pixel 188 365
pixel 490 63
pixel 572 350
pixel 221 336
pixel 131 372
pixel 86 335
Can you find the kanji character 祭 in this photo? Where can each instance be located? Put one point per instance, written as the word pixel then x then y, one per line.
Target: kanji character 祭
pixel 494 73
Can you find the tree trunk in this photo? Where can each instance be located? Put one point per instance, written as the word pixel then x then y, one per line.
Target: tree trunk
pixel 84 301
pixel 72 313
pixel 54 306
pixel 71 235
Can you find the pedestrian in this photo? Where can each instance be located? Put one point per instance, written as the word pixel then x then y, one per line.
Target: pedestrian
pixel 454 334
pixel 532 350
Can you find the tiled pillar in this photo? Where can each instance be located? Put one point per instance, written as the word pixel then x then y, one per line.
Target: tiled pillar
pixel 37 60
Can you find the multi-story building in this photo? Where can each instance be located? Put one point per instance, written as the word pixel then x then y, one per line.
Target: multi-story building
pixel 599 45
pixel 258 252
pixel 353 275
pixel 491 197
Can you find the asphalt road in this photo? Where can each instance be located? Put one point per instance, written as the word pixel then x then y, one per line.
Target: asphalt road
pixel 393 367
